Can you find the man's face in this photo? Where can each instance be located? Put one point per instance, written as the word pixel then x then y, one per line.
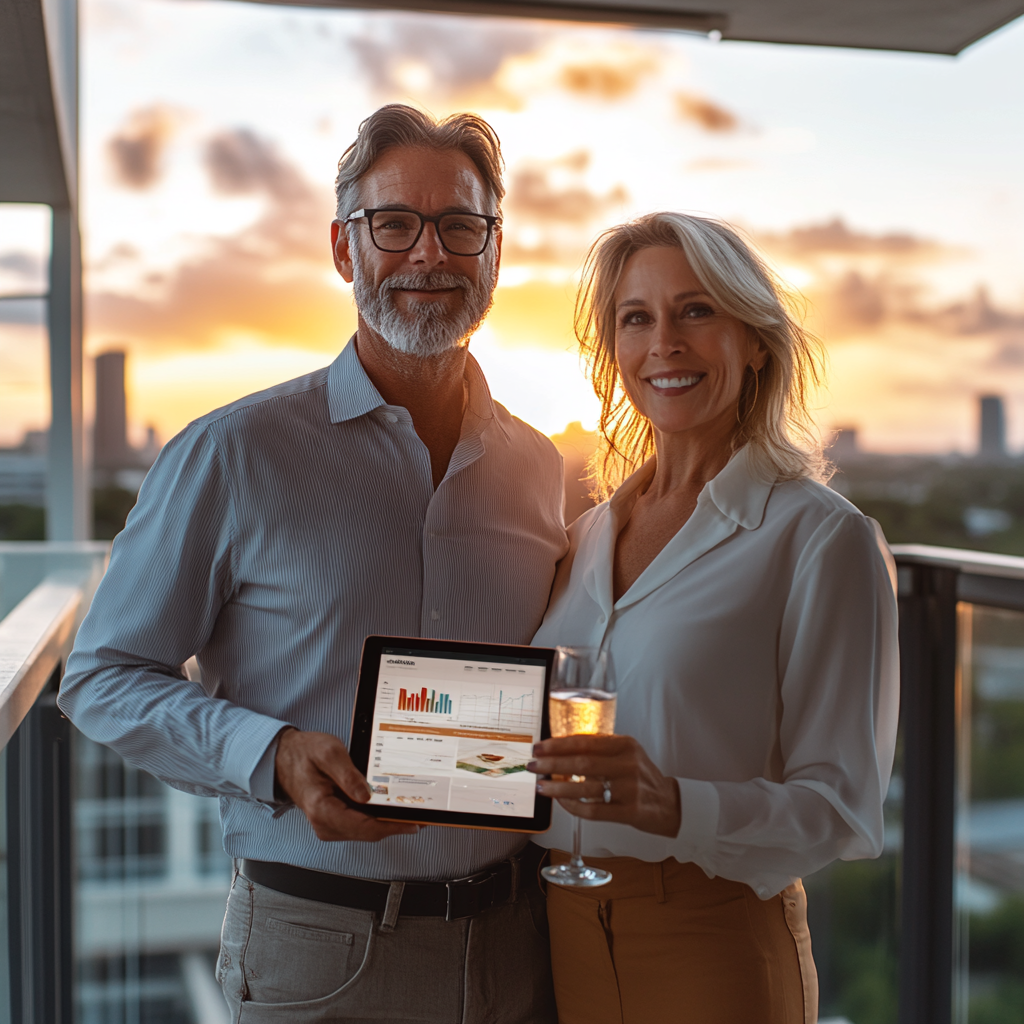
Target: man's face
pixel 425 301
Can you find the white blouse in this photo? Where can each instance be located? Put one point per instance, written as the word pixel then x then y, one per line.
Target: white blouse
pixel 757 662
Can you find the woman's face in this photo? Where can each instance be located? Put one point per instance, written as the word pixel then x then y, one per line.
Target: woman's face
pixel 681 357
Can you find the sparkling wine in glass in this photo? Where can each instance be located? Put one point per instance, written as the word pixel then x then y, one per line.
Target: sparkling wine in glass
pixel 581 703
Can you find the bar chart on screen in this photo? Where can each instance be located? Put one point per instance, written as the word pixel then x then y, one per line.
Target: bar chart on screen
pixel 424 700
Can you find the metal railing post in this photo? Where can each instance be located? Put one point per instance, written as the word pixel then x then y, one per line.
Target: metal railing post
pixel 40 857
pixel 928 640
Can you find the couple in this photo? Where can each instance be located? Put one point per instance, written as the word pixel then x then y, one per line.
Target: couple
pixel 749 611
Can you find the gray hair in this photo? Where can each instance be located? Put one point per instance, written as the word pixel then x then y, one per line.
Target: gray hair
pixel 399 125
pixel 773 415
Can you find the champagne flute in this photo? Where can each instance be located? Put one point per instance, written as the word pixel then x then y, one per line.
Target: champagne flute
pixel 581 703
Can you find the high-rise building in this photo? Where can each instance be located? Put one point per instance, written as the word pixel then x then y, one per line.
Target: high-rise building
pixel 991 427
pixel 110 435
pixel 844 444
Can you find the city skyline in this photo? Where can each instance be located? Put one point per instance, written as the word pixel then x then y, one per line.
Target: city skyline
pixel 886 194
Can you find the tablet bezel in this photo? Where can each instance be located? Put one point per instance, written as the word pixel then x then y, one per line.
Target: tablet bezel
pixel 362 729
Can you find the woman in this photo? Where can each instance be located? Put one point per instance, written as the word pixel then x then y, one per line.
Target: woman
pixel 750 614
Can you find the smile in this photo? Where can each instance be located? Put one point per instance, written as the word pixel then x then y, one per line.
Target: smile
pixel 667 383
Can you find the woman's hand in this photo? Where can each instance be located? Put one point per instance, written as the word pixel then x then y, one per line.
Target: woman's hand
pixel 639 794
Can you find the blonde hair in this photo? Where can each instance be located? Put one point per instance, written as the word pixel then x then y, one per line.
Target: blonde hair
pixel 773 416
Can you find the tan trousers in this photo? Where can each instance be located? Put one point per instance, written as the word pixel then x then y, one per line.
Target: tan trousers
pixel 665 944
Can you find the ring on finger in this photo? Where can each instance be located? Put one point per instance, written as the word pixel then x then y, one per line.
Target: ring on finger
pixel 606 796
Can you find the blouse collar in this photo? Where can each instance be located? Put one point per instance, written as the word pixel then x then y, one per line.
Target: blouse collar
pixel 738 491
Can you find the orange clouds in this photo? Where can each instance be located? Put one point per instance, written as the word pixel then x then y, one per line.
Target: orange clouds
pixel 551 211
pixel 136 152
pixel 864 284
pixel 704 113
pixel 607 78
pixel 272 280
pixel 834 237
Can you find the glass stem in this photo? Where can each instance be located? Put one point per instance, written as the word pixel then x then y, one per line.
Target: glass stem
pixel 577 837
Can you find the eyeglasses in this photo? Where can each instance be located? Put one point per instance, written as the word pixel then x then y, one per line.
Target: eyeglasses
pixel 461 234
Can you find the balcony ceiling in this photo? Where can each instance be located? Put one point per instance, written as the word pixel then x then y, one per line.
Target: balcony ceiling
pixel 925 26
pixel 37 123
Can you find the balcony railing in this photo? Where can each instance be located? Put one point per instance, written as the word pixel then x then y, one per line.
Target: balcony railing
pixel 930 933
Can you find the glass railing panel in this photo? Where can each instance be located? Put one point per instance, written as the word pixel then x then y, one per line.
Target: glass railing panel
pixel 5 959
pixel 152 885
pixel 989 954
pixel 25 564
pixel 853 912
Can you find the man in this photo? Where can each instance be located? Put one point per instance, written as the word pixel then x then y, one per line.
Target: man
pixel 384 494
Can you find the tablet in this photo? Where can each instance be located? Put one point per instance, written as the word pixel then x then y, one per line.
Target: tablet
pixel 443 731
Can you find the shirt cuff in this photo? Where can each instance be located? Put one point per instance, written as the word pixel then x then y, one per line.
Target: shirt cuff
pixel 261 782
pixel 698 827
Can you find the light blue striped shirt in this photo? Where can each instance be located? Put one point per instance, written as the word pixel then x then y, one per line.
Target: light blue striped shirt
pixel 269 539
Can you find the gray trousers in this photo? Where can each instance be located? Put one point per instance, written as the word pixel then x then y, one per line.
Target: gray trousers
pixel 288 959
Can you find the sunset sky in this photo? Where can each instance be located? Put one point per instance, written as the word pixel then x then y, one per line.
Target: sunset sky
pixel 887 188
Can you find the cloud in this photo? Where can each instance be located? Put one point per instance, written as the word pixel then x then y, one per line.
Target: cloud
pixel 705 113
pixel 451 58
pixel 270 280
pixel 22 273
pixel 863 283
pixel 835 238
pixel 239 162
pixel 550 210
pixel 28 265
pixel 555 191
pixel 613 77
pixel 136 152
pixel 1009 356
pixel 975 315
pixel 22 311
pixel 717 165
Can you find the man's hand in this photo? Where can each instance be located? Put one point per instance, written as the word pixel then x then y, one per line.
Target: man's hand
pixel 308 767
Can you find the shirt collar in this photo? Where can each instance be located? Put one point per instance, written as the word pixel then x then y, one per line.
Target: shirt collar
pixel 737 492
pixel 351 394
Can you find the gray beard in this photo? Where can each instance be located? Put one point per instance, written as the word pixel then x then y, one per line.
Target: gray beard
pixel 426 330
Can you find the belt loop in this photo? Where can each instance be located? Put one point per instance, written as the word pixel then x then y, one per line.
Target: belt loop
pixel 659 882
pixel 517 863
pixel 392 907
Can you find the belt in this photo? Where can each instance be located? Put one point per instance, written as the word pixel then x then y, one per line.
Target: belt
pixel 463 897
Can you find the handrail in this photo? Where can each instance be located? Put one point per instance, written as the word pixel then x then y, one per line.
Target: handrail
pixel 981 577
pixel 983 563
pixel 34 639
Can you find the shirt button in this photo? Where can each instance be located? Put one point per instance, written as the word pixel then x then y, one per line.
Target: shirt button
pixel 435 614
pixel 390 417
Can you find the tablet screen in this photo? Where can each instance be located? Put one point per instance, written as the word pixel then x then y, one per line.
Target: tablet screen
pixel 452 733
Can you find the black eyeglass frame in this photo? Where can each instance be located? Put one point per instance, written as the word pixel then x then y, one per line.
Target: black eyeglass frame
pixel 492 222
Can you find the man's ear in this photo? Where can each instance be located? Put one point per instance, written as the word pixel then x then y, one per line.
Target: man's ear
pixel 342 252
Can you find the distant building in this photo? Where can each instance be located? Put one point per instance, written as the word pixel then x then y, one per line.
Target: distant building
pixel 115 461
pixel 110 450
pixel 991 428
pixel 844 444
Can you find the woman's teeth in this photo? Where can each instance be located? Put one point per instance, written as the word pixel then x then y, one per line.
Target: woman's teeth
pixel 674 382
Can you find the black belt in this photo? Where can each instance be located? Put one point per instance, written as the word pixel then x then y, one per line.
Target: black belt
pixel 463 897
